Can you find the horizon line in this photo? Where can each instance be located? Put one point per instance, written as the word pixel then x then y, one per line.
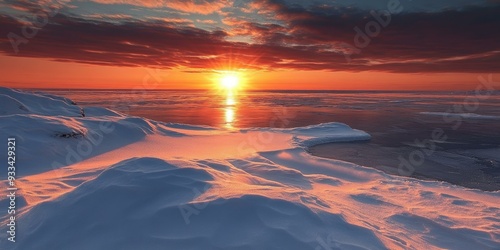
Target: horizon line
pixel 249 90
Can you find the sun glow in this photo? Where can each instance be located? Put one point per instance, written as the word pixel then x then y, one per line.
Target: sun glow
pixel 228 85
pixel 229 81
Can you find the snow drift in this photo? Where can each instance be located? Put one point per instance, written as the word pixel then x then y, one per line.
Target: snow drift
pixel 92 178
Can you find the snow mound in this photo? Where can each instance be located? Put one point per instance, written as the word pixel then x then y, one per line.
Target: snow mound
pixel 37 103
pixel 319 134
pixel 11 106
pixel 327 133
pixel 67 135
pixel 157 197
pixel 139 188
pixel 69 140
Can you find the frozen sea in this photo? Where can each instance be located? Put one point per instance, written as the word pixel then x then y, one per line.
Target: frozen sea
pixel 446 136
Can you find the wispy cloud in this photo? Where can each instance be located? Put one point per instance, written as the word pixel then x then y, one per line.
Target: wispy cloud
pixel 296 37
pixel 190 6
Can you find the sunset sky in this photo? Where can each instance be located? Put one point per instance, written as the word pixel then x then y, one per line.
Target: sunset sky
pixel 271 44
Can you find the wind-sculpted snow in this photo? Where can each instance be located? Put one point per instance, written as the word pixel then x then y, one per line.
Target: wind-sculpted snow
pixel 151 192
pixel 18 102
pixel 320 134
pixel 110 181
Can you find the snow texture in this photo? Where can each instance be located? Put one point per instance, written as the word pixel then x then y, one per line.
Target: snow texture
pixel 92 178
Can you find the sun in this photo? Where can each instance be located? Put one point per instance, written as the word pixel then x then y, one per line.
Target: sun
pixel 229 81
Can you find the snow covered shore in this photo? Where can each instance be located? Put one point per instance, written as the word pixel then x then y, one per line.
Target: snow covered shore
pixel 92 178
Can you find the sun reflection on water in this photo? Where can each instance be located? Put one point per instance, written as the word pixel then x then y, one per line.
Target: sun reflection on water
pixel 230 100
pixel 230 109
pixel 229 117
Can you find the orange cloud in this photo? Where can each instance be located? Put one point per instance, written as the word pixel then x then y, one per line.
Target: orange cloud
pixel 202 7
pixel 191 6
